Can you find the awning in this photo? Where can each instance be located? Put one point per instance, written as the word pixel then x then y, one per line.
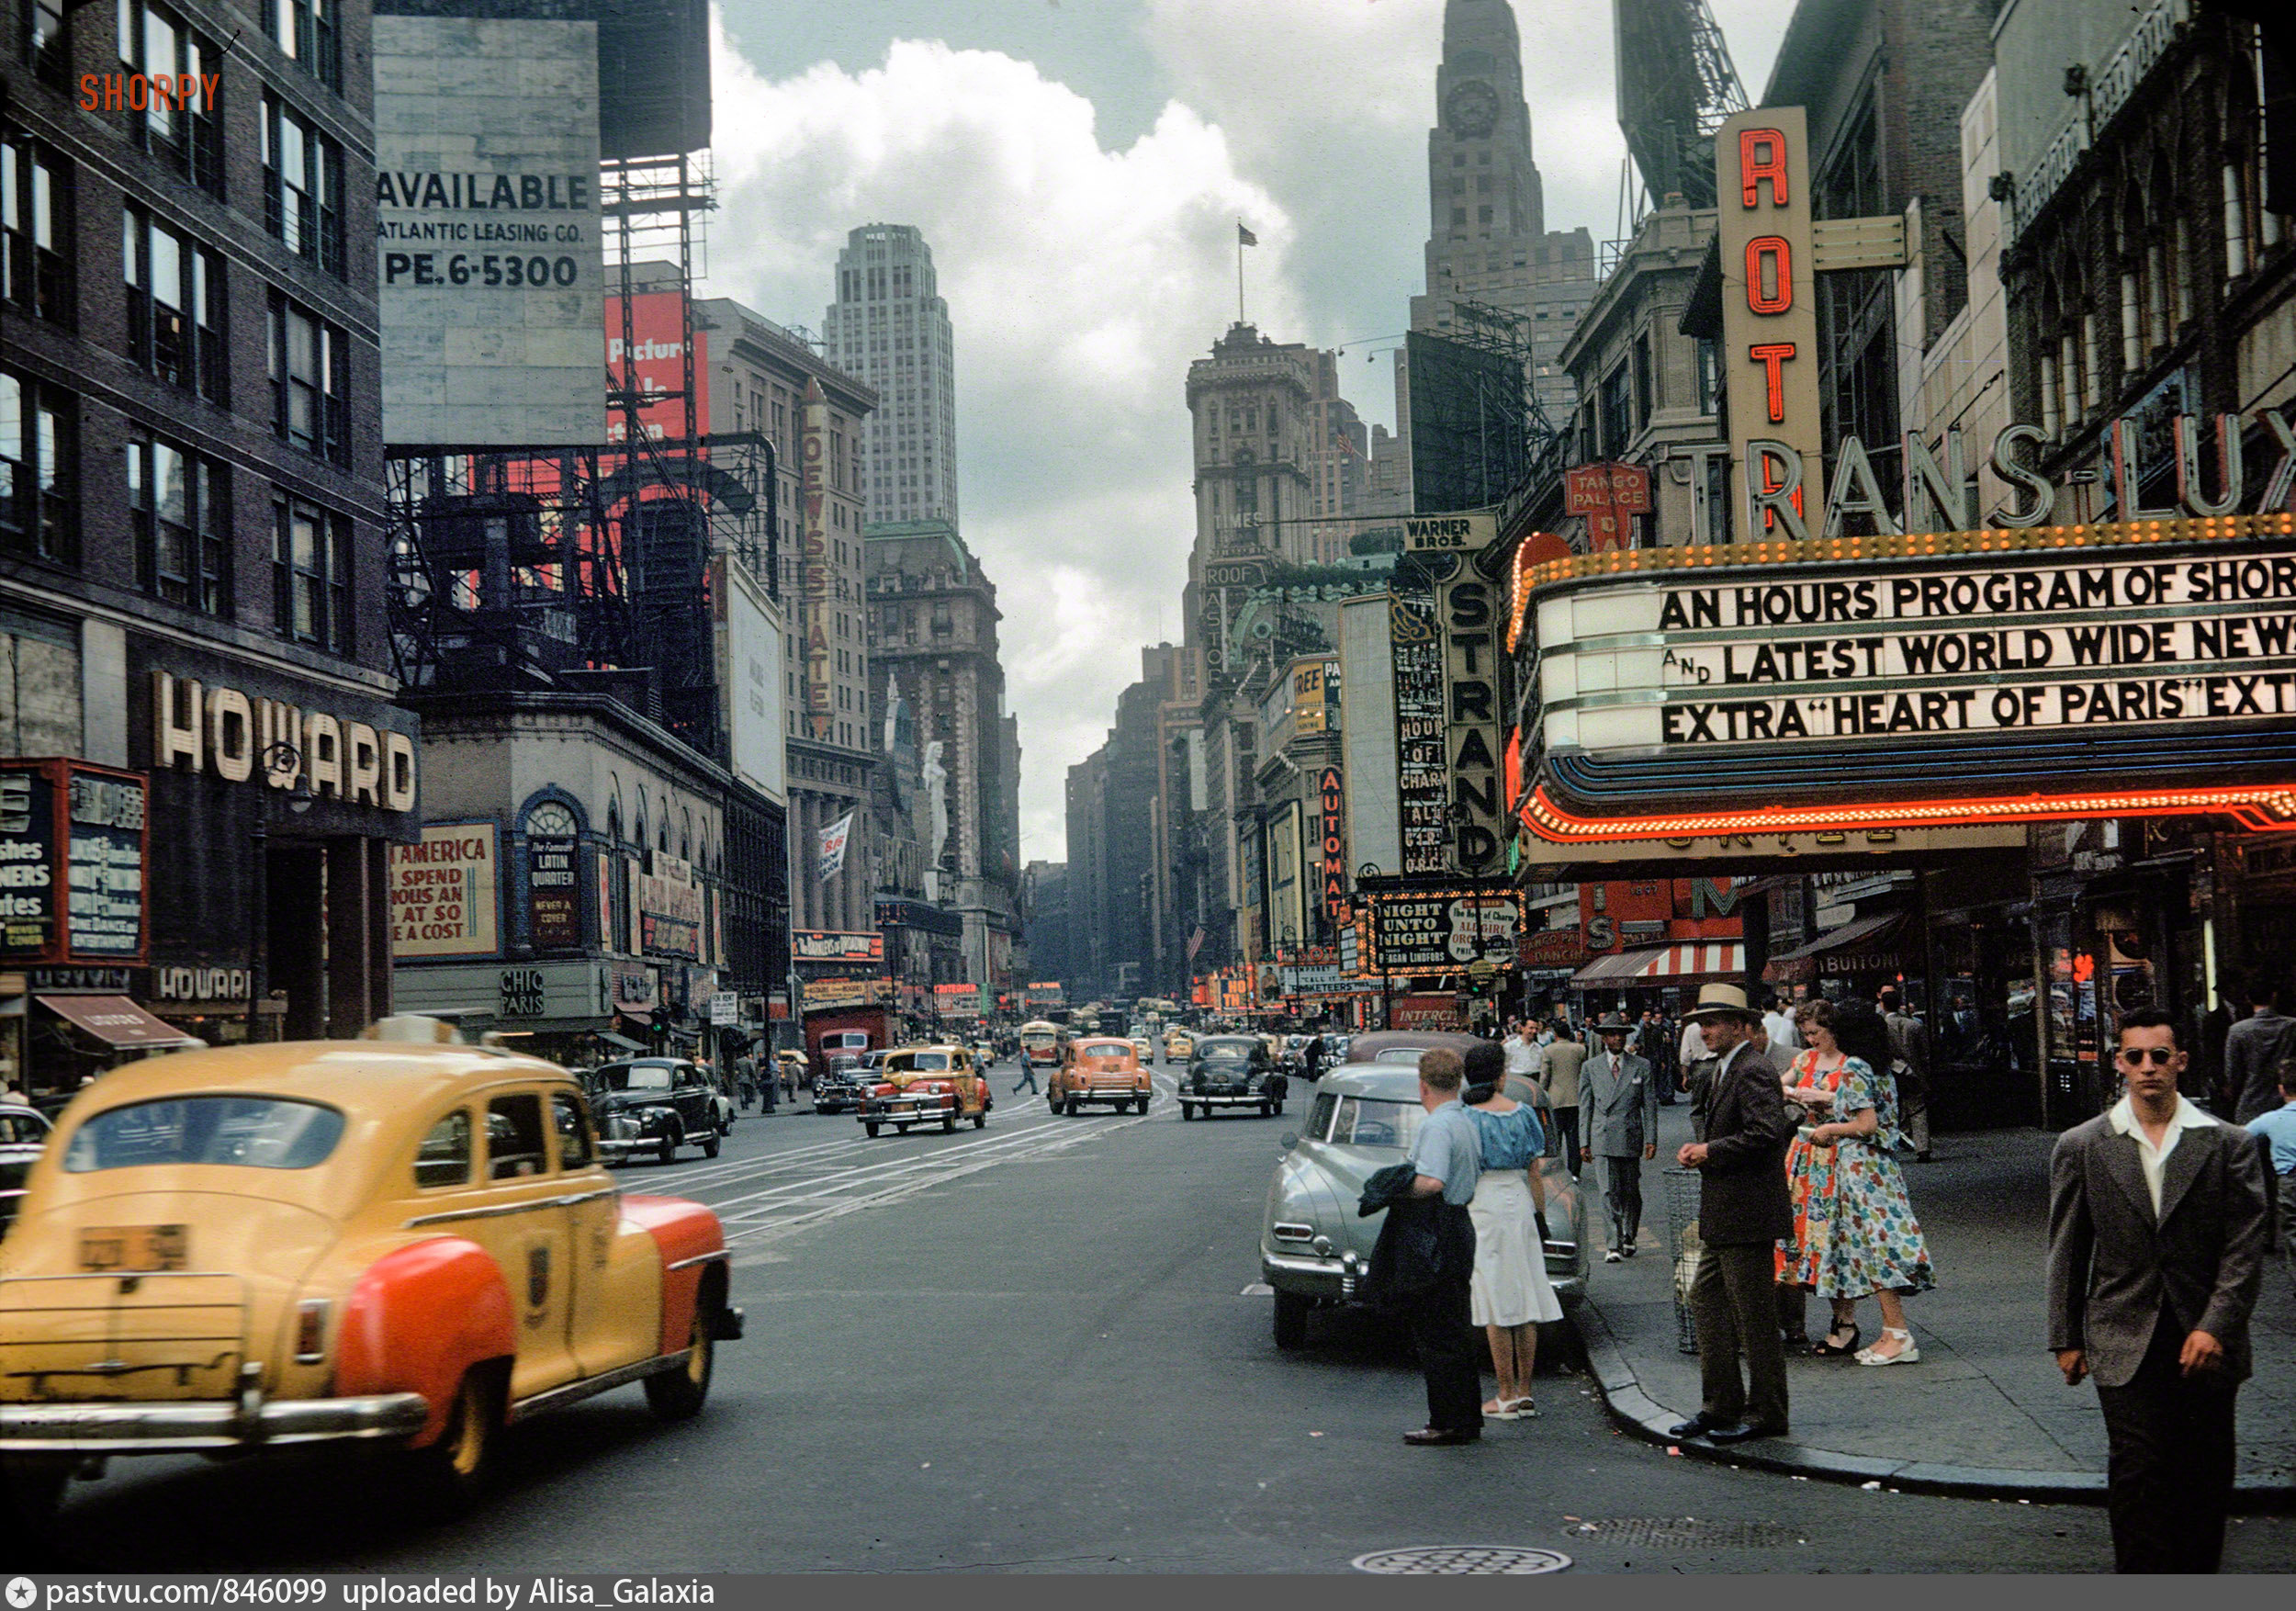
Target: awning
pixel 1862 945
pixel 623 1041
pixel 1707 959
pixel 118 1020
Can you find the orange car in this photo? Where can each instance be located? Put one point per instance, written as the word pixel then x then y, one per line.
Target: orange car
pixel 399 1240
pixel 1100 1068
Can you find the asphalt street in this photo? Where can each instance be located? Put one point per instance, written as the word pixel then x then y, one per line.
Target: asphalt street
pixel 1033 1349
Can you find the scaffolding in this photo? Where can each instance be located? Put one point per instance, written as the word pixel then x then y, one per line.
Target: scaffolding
pixel 1476 426
pixel 1676 85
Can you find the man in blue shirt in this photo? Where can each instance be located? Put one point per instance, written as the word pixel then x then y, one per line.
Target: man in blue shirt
pixel 2278 1130
pixel 1447 1159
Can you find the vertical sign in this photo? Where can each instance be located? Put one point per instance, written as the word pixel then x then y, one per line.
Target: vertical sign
pixel 1770 319
pixel 554 908
pixel 1466 609
pixel 442 893
pixel 1331 792
pixel 814 455
pixel 1418 655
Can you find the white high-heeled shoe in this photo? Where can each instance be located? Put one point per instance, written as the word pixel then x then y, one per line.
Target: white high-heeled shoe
pixel 1906 1354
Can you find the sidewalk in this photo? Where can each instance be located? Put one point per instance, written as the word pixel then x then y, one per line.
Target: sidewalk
pixel 1985 1412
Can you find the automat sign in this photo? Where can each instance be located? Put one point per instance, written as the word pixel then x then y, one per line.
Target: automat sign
pixel 1331 793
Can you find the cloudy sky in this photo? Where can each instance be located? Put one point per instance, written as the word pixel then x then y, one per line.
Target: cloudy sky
pixel 1077 167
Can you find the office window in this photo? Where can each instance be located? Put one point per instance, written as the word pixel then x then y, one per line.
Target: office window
pixel 303 174
pixel 47 44
pixel 35 218
pixel 183 526
pixel 39 514
pixel 310 379
pixel 188 138
pixel 310 575
pixel 305 29
pixel 175 306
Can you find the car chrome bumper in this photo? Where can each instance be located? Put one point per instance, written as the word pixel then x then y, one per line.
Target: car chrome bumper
pixel 1310 1275
pixel 206 1424
pixel 1225 1098
pixel 904 1115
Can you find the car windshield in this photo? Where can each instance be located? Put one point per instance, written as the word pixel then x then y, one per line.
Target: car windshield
pixel 925 1062
pixel 636 1077
pixel 1364 1122
pixel 259 1133
pixel 22 1129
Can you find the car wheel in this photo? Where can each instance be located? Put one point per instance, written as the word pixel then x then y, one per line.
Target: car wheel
pixel 711 1143
pixel 980 1121
pixel 668 1153
pixel 1291 1320
pixel 949 1123
pixel 1187 1110
pixel 452 1473
pixel 1142 1105
pixel 677 1396
pixel 1279 1109
pixel 871 1129
pixel 1266 1108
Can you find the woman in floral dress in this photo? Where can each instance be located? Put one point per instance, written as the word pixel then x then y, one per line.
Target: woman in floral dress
pixel 1854 1235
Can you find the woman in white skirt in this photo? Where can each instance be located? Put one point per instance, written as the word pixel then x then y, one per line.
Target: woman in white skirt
pixel 1509 1294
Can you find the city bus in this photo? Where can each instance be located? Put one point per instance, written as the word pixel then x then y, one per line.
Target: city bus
pixel 1042 1043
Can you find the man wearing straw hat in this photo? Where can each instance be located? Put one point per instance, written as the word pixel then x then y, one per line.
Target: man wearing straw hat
pixel 1737 1112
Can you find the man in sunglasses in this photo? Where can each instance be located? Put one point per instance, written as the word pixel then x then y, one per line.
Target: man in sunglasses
pixel 2159 1227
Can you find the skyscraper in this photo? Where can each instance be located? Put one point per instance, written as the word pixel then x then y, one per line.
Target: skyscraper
pixel 890 328
pixel 1487 240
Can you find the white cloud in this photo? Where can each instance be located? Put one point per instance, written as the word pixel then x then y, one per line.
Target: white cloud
pixel 1081 281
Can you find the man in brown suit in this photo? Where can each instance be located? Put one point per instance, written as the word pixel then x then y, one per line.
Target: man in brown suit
pixel 2158 1225
pixel 1737 1112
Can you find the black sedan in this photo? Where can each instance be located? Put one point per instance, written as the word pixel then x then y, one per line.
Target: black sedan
pixel 845 1086
pixel 1231 1071
pixel 656 1105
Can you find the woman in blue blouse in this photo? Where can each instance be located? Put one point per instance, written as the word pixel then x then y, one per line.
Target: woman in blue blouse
pixel 1509 1294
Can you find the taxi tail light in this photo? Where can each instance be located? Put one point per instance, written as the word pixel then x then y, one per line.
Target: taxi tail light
pixel 311 1330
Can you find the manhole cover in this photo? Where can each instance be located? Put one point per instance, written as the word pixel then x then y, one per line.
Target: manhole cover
pixel 1462 1561
pixel 1685 1532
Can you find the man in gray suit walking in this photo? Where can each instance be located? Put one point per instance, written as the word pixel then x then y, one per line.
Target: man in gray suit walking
pixel 2158 1225
pixel 1619 1096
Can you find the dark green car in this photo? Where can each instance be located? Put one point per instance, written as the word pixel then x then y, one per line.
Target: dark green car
pixel 1231 1071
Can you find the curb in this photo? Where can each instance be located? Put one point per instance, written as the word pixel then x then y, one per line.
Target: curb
pixel 1644 1417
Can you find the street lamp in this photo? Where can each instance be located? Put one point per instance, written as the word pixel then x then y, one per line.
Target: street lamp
pixel 284 761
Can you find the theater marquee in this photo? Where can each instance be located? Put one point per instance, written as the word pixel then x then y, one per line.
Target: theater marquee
pixel 1980 676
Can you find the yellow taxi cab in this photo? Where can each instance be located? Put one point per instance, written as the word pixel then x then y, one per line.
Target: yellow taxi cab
pixel 1100 1068
pixel 399 1240
pixel 925 1085
pixel 1178 1045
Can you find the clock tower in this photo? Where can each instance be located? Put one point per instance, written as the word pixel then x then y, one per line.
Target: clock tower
pixel 1487 237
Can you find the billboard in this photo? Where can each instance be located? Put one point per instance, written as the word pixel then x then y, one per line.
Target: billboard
pixel 813 458
pixel 753 705
pixel 444 893
pixel 488 254
pixel 822 945
pixel 654 359
pixel 1469 424
pixel 73 842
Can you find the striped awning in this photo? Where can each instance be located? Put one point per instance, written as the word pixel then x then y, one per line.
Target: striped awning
pixel 1706 959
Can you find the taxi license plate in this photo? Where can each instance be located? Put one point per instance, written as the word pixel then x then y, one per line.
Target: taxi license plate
pixel 135 1247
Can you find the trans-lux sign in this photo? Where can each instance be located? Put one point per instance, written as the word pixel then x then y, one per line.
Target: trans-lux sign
pixel 2090 643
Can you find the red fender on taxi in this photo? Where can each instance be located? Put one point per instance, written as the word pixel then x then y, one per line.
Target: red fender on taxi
pixel 687 1234
pixel 418 1319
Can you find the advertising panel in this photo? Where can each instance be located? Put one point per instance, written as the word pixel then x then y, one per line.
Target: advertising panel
pixel 554 905
pixel 489 252
pixel 749 679
pixel 1287 888
pixel 444 893
pixel 655 360
pixel 818 945
pixel 71 862
pixel 1425 931
pixel 1417 650
pixel 670 909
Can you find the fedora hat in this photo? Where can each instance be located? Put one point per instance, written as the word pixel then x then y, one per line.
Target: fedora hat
pixel 1611 1023
pixel 1721 1001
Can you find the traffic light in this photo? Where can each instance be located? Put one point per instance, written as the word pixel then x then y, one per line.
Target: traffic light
pixel 661 1019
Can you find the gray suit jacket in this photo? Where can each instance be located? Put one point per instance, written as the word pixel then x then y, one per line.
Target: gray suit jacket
pixel 1621 1103
pixel 2113 1267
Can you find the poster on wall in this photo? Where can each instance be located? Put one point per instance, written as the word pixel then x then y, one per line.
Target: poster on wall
pixel 72 863
pixel 442 893
pixel 29 917
pixel 1417 650
pixel 554 908
pixel 104 909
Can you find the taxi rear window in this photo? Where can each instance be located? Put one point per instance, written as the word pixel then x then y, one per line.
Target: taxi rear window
pixel 256 1132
